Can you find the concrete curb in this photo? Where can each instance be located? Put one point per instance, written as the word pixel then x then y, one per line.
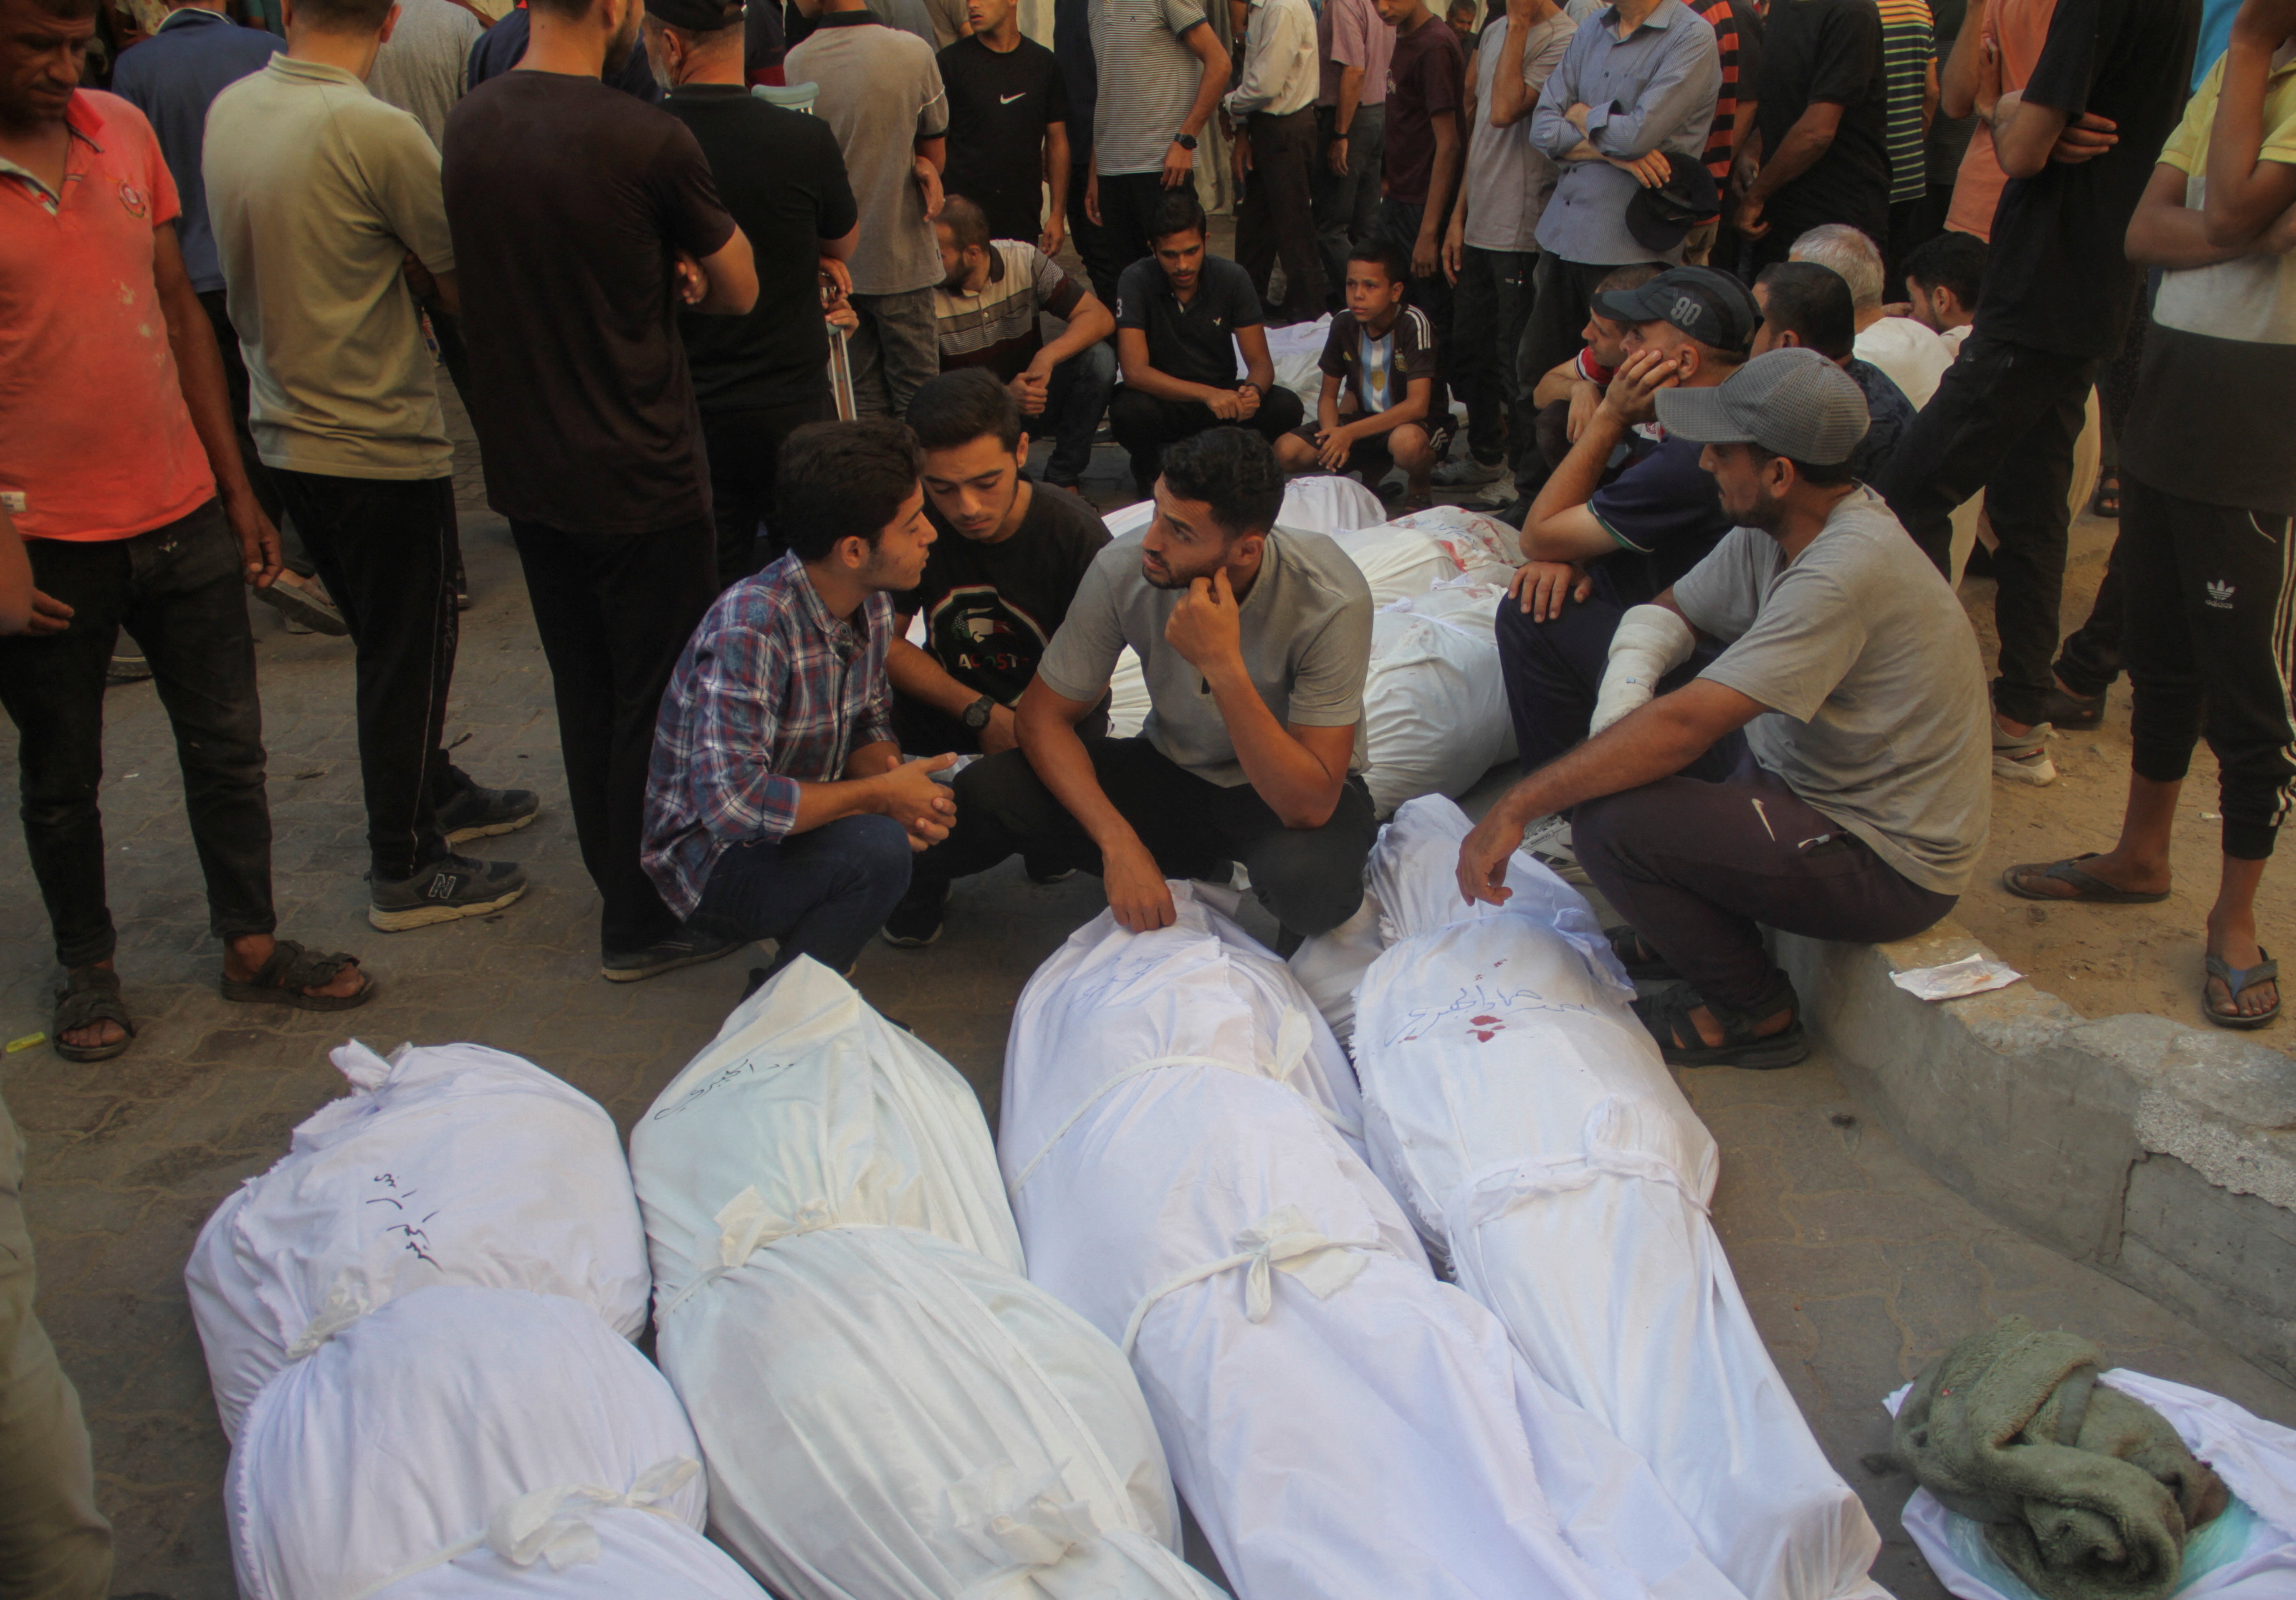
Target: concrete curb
pixel 2161 1154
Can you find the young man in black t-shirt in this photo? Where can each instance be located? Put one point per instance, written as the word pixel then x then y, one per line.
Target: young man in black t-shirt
pixel 571 273
pixel 1008 116
pixel 1821 150
pixel 1180 314
pixel 756 378
pixel 2078 143
pixel 997 583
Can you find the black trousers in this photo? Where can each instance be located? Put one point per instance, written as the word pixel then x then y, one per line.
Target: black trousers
pixel 1127 210
pixel 614 612
pixel 1400 220
pixel 1489 308
pixel 387 550
pixel 1278 214
pixel 1561 294
pixel 2004 421
pixel 744 449
pixel 1097 246
pixel 1144 425
pixel 1698 868
pixel 1309 879
pixel 181 590
pixel 2208 649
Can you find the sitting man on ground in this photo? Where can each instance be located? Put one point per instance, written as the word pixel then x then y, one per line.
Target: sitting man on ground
pixel 1180 314
pixel 1827 774
pixel 986 313
pixel 1255 644
pixel 1564 396
pixel 1597 546
pixel 1806 305
pixel 1904 348
pixel 1378 380
pixel 1007 557
pixel 1943 278
pixel 778 805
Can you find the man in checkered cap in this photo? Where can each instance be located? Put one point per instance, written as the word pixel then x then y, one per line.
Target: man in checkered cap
pixel 1844 789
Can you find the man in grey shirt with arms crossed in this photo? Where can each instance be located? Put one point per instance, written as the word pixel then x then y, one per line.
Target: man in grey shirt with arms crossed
pixel 1842 782
pixel 1255 644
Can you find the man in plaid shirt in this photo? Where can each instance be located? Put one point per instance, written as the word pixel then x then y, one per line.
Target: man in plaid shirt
pixel 778 806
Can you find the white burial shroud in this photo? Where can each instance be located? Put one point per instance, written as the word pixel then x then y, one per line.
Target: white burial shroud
pixel 1525 1117
pixel 1177 1137
pixel 887 1412
pixel 405 1440
pixel 826 1108
pixel 446 1164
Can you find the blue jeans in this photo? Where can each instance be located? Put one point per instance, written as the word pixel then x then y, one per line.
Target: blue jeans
pixel 1075 401
pixel 821 893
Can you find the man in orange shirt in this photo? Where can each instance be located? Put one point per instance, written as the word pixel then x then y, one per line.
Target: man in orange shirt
pixel 123 476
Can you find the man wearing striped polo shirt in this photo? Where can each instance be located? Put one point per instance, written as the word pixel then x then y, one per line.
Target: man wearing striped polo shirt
pixel 1167 70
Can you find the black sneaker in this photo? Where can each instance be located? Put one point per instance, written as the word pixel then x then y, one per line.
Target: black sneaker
pixel 125 667
pixel 689 946
pixel 477 812
pixel 915 922
pixel 304 601
pixel 444 891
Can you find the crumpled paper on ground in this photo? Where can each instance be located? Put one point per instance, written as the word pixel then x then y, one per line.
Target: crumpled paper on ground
pixel 1970 975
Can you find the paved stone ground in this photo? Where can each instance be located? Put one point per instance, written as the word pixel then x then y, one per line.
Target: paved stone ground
pixel 1858 1266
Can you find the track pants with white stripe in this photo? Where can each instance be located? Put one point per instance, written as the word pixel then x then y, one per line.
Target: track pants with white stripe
pixel 2208 592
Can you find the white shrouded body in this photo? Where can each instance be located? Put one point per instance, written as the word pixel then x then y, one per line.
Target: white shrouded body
pixel 639 1553
pixel 450 1164
pixel 408 1433
pixel 1175 1136
pixel 1525 1117
pixel 812 1099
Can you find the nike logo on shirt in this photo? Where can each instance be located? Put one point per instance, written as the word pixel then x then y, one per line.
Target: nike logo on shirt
pixel 1008 99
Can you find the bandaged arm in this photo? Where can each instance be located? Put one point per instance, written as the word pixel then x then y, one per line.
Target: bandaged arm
pixel 1650 642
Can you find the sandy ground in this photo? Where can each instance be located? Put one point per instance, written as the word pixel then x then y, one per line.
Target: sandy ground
pixel 2103 960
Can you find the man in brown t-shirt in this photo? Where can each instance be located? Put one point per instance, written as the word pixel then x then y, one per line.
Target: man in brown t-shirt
pixel 1426 78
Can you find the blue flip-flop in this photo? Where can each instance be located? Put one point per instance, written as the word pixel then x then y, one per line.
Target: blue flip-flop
pixel 2235 980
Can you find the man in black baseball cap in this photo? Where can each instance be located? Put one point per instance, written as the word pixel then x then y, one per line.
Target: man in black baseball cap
pixel 1854 781
pixel 1599 540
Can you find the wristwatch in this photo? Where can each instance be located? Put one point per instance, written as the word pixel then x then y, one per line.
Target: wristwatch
pixel 977 714
pixel 1184 140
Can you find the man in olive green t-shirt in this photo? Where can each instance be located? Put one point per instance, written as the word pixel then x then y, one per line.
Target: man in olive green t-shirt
pixel 319 194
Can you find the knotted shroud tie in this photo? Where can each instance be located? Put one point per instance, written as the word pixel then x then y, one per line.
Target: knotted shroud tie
pixel 1285 1240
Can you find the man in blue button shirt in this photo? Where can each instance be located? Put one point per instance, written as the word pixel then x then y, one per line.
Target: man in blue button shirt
pixel 1639 82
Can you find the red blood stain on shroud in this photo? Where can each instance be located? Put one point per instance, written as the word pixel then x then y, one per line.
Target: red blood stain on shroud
pixel 1484 1028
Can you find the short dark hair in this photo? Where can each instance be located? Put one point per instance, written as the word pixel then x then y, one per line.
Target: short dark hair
pixel 67 11
pixel 842 480
pixel 958 408
pixel 1178 212
pixel 345 16
pixel 1632 275
pixel 1954 261
pixel 1232 470
pixel 1813 303
pixel 1380 248
pixel 1832 475
pixel 967 223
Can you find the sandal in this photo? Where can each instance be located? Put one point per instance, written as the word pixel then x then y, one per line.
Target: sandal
pixel 291 969
pixel 2106 501
pixel 89 995
pixel 2087 887
pixel 1668 1018
pixel 1637 955
pixel 2236 978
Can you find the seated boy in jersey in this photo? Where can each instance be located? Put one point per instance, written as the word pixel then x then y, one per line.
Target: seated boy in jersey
pixel 1006 561
pixel 1844 712
pixel 778 805
pixel 1379 384
pixel 1599 540
pixel 1255 644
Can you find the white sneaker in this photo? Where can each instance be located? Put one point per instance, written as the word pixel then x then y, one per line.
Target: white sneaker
pixel 2023 758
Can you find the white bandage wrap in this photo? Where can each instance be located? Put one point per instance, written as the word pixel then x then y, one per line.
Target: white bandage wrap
pixel 1651 642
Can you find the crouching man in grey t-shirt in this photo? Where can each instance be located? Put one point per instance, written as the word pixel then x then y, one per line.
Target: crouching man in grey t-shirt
pixel 1255 644
pixel 1859 791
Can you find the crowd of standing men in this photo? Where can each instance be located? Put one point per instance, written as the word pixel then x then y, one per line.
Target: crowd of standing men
pixel 1653 250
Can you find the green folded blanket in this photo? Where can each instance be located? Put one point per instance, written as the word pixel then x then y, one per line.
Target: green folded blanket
pixel 2084 1493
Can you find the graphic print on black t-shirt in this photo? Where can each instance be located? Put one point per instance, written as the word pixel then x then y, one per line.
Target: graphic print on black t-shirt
pixel 983 639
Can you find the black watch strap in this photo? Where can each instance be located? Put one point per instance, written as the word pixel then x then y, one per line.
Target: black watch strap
pixel 1184 140
pixel 977 714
